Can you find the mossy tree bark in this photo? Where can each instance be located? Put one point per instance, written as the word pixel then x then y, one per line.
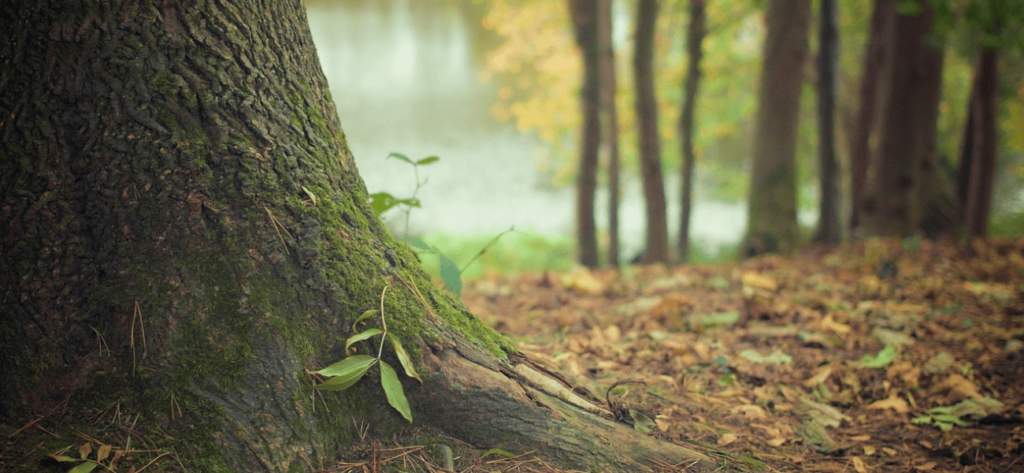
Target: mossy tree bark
pixel 185 226
pixel 771 215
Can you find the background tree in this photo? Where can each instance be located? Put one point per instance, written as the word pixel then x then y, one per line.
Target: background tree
pixel 904 182
pixel 694 39
pixel 985 142
pixel 187 229
pixel 771 215
pixel 993 25
pixel 610 120
pixel 656 250
pixel 860 139
pixel 829 228
pixel 585 24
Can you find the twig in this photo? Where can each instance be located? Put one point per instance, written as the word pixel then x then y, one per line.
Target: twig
pixel 277 224
pixel 485 248
pixel 383 322
pixel 416 290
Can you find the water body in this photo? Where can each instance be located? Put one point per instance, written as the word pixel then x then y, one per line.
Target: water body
pixel 404 76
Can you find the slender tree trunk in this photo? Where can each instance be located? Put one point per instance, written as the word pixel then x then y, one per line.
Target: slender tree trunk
pixel 584 19
pixel 186 234
pixel 694 38
pixel 963 174
pixel 860 142
pixel 611 126
pixel 829 228
pixel 904 163
pixel 771 218
pixel 650 143
pixel 986 142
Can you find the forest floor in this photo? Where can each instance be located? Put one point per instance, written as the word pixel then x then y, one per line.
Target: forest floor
pixel 881 355
pixel 877 356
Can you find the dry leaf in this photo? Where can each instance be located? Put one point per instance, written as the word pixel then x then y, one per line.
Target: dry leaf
pixel 892 402
pixel 726 439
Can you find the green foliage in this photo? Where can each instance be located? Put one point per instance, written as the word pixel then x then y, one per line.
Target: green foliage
pixel 947 417
pixel 884 358
pixel 346 373
pixel 382 201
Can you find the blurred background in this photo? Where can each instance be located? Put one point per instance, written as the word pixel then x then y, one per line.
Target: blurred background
pixel 492 87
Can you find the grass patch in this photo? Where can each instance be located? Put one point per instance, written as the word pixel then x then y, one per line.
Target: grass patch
pixel 515 253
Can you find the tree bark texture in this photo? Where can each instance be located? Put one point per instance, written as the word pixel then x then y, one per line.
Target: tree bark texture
pixel 584 19
pixel 904 165
pixel 650 142
pixel 829 227
pixel 694 39
pixel 860 142
pixel 183 224
pixel 771 218
pixel 985 143
pixel 610 133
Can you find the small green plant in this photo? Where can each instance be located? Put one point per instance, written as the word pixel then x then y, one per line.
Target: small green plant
pixel 382 201
pixel 947 417
pixel 346 373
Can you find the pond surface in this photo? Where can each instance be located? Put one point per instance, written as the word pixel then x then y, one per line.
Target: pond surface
pixel 404 76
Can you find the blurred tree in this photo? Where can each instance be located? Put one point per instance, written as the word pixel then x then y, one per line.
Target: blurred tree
pixel 610 125
pixel 984 143
pixel 829 228
pixel 860 138
pixel 205 220
pixel 694 39
pixel 656 250
pixel 992 25
pixel 771 215
pixel 585 15
pixel 904 178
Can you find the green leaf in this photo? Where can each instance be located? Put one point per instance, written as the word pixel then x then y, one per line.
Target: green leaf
pixel 411 202
pixel 428 160
pixel 393 389
pixel 346 372
pixel 364 316
pixel 402 157
pixel 404 358
pixel 499 452
pixel 64 458
pixel 361 336
pixel 641 422
pixel 884 358
pixel 419 244
pixel 450 274
pixel 382 202
pixel 84 467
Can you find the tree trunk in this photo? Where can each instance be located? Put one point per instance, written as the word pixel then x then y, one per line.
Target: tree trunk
pixel 771 218
pixel 185 226
pixel 650 143
pixel 611 126
pixel 860 148
pixel 963 172
pixel 985 143
pixel 584 19
pixel 904 163
pixel 694 37
pixel 829 229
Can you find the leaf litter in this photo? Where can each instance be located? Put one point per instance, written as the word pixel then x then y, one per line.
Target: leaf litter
pixel 874 356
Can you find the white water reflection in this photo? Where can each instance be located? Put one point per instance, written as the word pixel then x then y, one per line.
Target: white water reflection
pixel 404 79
